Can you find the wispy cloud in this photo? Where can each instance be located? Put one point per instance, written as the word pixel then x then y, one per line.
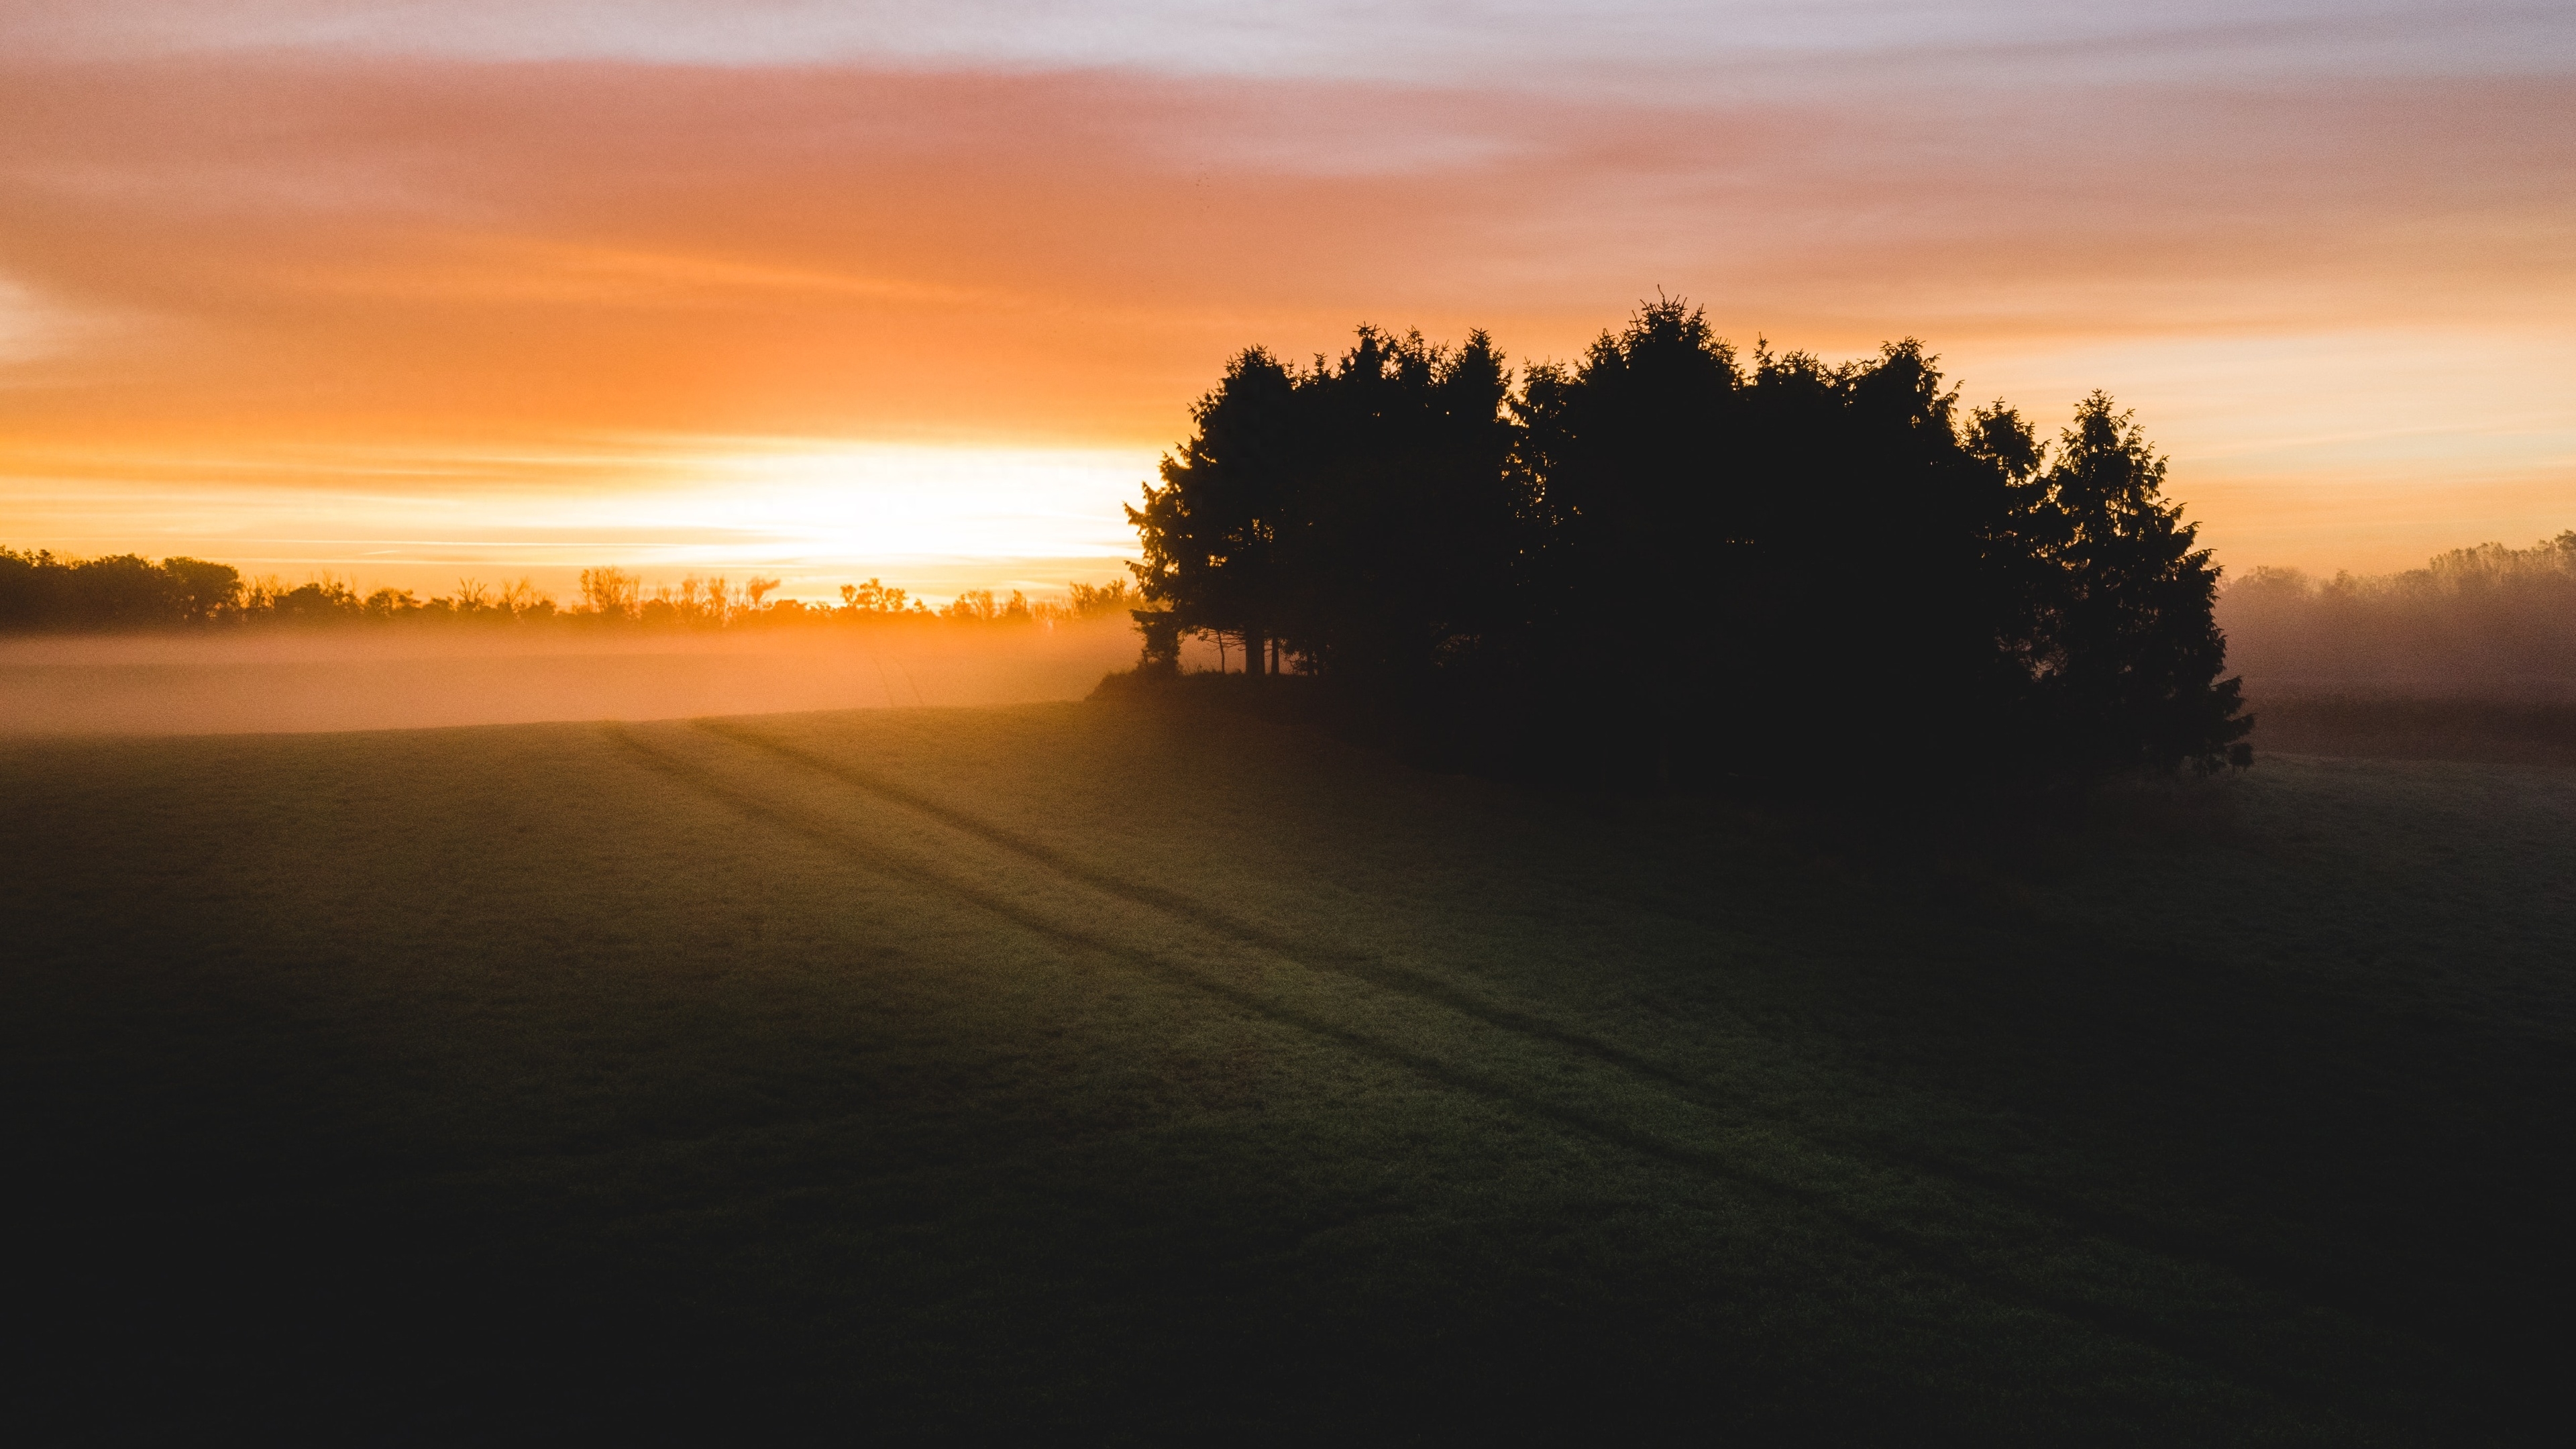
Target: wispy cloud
pixel 1678 46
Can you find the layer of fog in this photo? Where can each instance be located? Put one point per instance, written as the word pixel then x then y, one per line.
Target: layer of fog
pixel 2491 622
pixel 359 679
pixel 2496 624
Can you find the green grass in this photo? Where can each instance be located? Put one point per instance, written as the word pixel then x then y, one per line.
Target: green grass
pixel 1080 1071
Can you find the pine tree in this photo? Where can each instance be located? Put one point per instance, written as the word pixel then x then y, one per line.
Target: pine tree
pixel 2129 657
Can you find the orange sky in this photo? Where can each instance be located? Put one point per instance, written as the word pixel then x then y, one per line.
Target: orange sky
pixel 524 288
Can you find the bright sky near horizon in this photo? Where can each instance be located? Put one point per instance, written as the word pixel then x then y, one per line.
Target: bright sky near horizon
pixel 409 291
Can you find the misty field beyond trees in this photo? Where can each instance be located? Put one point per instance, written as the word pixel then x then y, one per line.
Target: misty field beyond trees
pixel 1162 1057
pixel 123 645
pixel 2490 623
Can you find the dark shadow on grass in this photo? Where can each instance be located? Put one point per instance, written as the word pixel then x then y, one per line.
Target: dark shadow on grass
pixel 2178 813
pixel 2180 1341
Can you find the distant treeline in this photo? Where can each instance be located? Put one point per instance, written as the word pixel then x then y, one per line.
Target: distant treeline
pixel 40 592
pixel 1673 561
pixel 2488 621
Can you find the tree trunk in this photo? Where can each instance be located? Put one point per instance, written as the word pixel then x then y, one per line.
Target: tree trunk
pixel 1252 642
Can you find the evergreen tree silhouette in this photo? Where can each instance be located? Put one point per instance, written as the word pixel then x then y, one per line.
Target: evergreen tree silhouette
pixel 1662 563
pixel 2129 669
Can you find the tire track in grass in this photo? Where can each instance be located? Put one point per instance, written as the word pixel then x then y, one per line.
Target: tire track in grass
pixel 1371 970
pixel 1955 1261
pixel 2316 1286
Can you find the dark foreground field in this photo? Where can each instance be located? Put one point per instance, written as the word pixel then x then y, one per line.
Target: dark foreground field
pixel 1075 1072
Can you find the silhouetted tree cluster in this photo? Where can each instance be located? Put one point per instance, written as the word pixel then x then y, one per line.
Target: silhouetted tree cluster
pixel 2489 621
pixel 41 592
pixel 1670 560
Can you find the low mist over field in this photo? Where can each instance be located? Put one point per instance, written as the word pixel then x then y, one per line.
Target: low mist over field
pixel 356 679
pixel 2486 623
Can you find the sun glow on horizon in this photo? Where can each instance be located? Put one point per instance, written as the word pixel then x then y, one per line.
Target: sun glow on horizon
pixel 933 517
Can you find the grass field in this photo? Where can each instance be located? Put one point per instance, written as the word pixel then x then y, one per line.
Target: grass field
pixel 1077 1071
pixel 2504 731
